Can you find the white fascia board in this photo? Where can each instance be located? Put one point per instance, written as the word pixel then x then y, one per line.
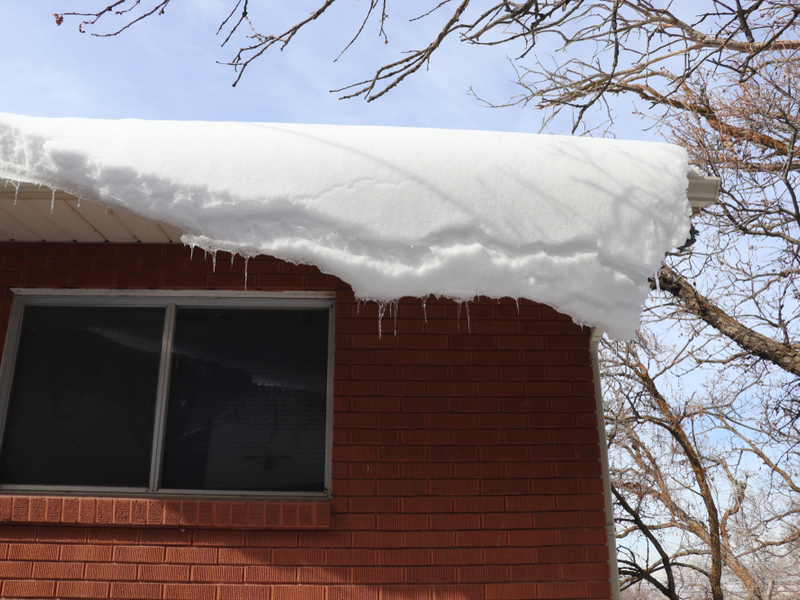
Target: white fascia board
pixel 703 191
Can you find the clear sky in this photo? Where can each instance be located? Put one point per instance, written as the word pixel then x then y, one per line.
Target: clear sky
pixel 166 67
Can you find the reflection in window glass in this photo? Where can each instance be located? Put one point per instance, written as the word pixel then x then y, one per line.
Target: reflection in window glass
pixel 83 397
pixel 247 400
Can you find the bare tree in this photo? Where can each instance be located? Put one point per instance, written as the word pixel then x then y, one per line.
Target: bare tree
pixel 703 415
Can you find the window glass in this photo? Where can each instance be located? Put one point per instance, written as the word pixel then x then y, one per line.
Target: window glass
pixel 239 406
pixel 247 401
pixel 83 397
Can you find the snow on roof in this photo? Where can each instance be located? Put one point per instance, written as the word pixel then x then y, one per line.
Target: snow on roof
pixel 575 223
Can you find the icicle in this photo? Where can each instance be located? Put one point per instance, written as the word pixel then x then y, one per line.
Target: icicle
pixel 214 261
pixel 458 317
pixel 517 301
pixel 381 311
pixel 424 310
pixel 246 258
pixel 233 255
pixel 191 251
pixel 358 306
pixel 658 283
pixel 52 203
pixel 79 202
pixel 395 310
pixel 16 192
pixel 466 306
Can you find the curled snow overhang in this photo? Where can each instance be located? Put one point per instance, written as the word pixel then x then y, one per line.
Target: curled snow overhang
pixel 576 223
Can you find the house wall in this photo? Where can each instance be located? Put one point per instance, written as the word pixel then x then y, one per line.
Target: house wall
pixel 465 459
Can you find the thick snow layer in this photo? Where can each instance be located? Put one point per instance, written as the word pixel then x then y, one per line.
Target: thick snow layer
pixel 575 223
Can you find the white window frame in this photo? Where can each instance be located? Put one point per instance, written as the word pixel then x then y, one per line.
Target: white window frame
pixel 170 300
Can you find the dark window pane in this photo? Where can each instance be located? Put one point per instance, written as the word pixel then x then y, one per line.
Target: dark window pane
pixel 247 400
pixel 83 397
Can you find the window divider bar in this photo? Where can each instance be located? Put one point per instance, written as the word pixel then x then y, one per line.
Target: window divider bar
pixel 162 395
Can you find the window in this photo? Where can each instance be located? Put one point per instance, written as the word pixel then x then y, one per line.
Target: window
pixel 143 394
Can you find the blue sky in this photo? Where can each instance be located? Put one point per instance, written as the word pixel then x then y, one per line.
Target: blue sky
pixel 166 68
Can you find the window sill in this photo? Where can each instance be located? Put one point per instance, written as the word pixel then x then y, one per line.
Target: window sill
pixel 137 512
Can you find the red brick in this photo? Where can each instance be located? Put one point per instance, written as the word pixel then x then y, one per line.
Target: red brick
pixel 167 537
pixel 9 569
pixel 458 592
pixel 86 552
pixel 298 556
pixel 6 510
pixel 163 573
pixel 272 539
pixel 244 592
pixel 405 592
pixel 53 510
pixel 110 572
pixel 33 552
pixel 428 504
pixel 104 511
pixel 172 512
pixel 188 591
pixel 390 522
pixel 598 589
pixel 377 539
pixel 429 539
pixel 479 504
pixel 299 592
pixel 562 589
pixel 584 537
pixel 509 556
pixel 402 487
pixel 20 510
pixel 595 502
pixel 373 575
pixel 113 535
pixel 61 534
pixel 219 537
pixel 155 512
pixel 457 556
pixel 344 592
pixel 57 570
pixel 374 504
pixel 404 557
pixel 82 589
pixel 139 554
pixel 244 556
pixel 586 571
pixel 505 487
pixel 191 555
pixel 145 591
pixel 323 575
pixel 71 511
pixel 453 453
pixel 270 574
pixel 402 453
pixel 535 537
pixel 218 574
pixel 435 575
pixel 481 539
pixel 482 574
pixel 560 555
pixel 29 589
pixel 510 591
pixel 507 520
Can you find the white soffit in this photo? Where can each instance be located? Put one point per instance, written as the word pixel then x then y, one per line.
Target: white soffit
pixel 31 213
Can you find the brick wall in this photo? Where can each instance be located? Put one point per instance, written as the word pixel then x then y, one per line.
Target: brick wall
pixel 465 457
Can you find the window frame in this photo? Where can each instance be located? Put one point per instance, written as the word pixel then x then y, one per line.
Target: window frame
pixel 170 300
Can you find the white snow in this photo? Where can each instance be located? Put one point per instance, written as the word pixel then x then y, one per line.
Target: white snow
pixel 575 223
